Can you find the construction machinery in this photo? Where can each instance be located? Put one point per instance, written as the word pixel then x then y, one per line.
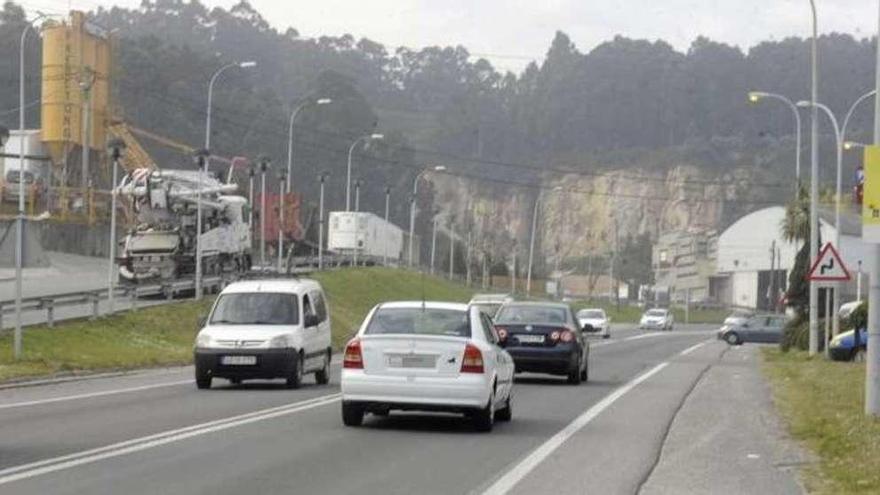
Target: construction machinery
pixel 162 245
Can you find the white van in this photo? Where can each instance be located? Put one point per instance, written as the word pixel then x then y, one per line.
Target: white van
pixel 265 329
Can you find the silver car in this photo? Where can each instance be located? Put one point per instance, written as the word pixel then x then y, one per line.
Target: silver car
pixel 597 320
pixel 657 319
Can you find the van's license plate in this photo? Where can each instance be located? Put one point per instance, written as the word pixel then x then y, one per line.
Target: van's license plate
pixel 238 360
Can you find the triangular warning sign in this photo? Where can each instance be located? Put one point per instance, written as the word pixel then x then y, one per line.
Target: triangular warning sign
pixel 829 267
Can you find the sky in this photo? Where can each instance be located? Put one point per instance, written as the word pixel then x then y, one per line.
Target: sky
pixel 510 33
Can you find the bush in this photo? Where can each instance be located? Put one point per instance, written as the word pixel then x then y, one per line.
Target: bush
pixel 797 335
pixel 858 318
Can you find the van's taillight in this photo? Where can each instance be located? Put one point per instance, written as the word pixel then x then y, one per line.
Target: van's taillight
pixel 473 360
pixel 353 359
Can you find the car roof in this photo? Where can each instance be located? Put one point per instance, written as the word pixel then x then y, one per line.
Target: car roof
pixel 427 304
pixel 545 304
pixel 287 286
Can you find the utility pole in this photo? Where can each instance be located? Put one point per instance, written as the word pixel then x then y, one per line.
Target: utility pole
pixel 513 272
pixel 387 211
pixel 117 146
pixel 467 258
pixel 322 178
pixel 86 82
pixel 872 378
pixel 814 180
pixel 282 186
pixel 451 248
pixel 265 163
pixel 433 241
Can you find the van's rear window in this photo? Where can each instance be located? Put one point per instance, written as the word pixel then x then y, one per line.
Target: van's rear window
pixel 418 321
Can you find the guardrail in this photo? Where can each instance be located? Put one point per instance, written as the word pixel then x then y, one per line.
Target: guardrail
pixel 49 303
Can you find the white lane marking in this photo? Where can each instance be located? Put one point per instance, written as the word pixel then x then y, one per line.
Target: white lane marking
pixel 693 348
pixel 47 466
pixel 91 395
pixel 634 337
pixel 524 467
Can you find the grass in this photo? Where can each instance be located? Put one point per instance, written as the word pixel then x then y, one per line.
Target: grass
pixel 164 335
pixel 631 314
pixel 823 404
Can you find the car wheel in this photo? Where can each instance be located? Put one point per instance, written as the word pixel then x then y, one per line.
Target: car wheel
pixel 296 373
pixel 484 419
pixel 732 338
pixel 585 374
pixel 352 414
pixel 860 356
pixel 574 376
pixel 203 379
pixel 606 336
pixel 322 376
pixel 506 413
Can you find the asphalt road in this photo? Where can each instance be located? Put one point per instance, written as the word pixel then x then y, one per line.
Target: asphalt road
pixel 153 432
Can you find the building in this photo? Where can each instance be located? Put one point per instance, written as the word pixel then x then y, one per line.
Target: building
pixel 748 275
pixel 684 261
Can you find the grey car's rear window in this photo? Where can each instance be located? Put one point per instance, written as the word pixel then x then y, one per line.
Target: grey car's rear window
pixel 418 321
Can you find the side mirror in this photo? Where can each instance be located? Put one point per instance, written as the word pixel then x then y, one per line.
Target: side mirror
pixel 202 320
pixel 311 321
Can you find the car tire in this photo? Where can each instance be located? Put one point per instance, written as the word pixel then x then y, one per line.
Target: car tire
pixel 294 380
pixel 203 380
pixel 574 376
pixel 484 419
pixel 352 414
pixel 322 376
pixel 732 338
pixel 585 373
pixel 505 414
pixel 606 336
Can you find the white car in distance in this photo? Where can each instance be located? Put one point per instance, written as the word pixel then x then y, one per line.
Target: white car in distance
pixel 596 319
pixel 657 319
pixel 427 356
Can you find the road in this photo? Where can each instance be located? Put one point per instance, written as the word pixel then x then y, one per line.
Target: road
pixel 153 432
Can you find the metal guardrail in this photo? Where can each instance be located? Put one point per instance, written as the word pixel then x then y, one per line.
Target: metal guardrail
pixel 50 302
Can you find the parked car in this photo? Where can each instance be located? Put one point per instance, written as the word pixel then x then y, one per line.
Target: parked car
pixel 265 329
pixel 843 347
pixel 427 356
pixel 760 328
pixel 544 338
pixel 738 317
pixel 490 303
pixel 596 319
pixel 657 319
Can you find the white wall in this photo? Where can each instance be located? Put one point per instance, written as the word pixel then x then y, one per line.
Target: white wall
pixel 745 245
pixel 745 289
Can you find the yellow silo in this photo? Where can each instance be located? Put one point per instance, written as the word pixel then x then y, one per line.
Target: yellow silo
pixel 76 66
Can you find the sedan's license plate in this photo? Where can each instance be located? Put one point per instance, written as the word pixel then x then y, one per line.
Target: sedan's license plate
pixel 530 339
pixel 411 361
pixel 238 360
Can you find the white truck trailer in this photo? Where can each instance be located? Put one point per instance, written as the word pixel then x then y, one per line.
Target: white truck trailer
pixel 364 233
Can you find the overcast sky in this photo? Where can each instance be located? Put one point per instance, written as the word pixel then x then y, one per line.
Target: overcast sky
pixel 516 31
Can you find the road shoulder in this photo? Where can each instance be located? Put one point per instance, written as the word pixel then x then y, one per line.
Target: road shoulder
pixel 727 438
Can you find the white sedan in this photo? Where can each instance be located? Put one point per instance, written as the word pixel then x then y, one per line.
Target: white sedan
pixel 427 356
pixel 597 320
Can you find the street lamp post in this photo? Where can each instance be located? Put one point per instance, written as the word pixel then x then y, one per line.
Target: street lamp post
pixel 433 240
pixel 451 247
pixel 283 184
pixel 201 160
pixel 412 206
pixel 322 177
pixel 387 212
pixel 756 96
pixel 357 209
pixel 243 65
pixel 839 146
pixel 371 137
pixel 872 368
pixel 117 147
pixel 814 179
pixel 307 102
pixel 265 165
pixel 532 240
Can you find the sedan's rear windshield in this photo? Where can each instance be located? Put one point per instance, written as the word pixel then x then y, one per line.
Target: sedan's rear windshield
pixel 656 312
pixel 531 314
pixel 418 321
pixel 256 308
pixel 591 313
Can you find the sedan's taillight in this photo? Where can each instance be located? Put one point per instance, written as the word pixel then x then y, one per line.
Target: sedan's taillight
pixel 567 336
pixel 353 359
pixel 473 360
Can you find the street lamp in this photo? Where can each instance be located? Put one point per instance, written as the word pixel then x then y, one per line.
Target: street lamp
pixel 532 240
pixel 387 211
pixel 371 137
pixel 204 164
pixel 839 149
pixel 852 145
pixel 116 147
pixel 265 165
pixel 412 205
pixel 309 101
pixel 201 160
pixel 757 96
pixel 357 208
pixel 814 178
pixel 283 183
pixel 322 177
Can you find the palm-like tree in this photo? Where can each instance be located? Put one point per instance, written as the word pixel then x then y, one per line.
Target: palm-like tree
pixel 796 224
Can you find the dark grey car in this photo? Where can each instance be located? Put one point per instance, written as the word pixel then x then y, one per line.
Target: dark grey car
pixel 765 329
